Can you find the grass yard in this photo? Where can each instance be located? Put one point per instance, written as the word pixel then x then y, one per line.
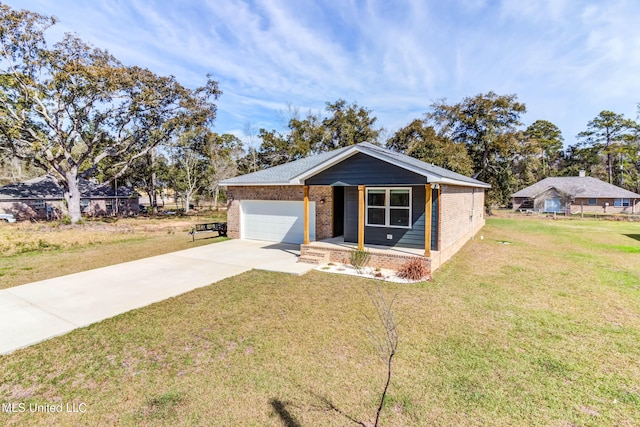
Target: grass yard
pixel 538 323
pixel 32 252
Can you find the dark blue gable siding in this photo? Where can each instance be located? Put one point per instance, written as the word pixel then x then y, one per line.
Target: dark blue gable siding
pixel 403 237
pixel 361 169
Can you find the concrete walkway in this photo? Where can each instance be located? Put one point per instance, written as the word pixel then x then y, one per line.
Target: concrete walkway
pixel 38 311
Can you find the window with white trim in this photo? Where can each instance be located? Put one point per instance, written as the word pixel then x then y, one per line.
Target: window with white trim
pixel 621 203
pixel 108 204
pixel 84 205
pixel 388 207
pixel 39 204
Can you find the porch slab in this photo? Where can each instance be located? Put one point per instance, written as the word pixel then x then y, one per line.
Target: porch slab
pixel 391 257
pixel 338 242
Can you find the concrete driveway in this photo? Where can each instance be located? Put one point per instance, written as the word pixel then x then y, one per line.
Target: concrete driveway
pixel 41 310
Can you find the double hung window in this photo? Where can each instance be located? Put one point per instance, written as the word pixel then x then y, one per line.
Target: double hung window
pixel 388 207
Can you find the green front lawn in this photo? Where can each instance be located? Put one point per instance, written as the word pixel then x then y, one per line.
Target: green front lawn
pixel 537 323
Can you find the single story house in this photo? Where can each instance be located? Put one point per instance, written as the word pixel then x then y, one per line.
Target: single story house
pixel 576 194
pixel 42 198
pixel 355 197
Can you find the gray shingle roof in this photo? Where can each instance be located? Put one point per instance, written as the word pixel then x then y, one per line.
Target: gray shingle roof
pixel 577 186
pixel 283 174
pixel 47 187
pixel 289 173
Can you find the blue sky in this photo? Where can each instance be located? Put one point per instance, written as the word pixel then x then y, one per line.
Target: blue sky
pixel 567 60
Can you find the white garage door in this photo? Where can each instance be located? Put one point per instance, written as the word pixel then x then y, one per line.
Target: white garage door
pixel 276 220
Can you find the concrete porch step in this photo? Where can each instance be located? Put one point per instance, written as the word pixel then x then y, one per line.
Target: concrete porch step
pixel 317 254
pixel 306 259
pixel 314 257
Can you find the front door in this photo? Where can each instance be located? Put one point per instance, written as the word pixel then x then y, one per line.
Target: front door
pixel 338 211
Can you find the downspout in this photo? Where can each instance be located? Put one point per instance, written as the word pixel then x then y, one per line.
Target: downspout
pixel 473 213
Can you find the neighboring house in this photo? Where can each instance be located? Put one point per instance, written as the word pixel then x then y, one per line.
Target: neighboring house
pixel 42 198
pixel 355 197
pixel 576 194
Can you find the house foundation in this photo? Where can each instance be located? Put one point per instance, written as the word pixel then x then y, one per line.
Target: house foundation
pixel 336 250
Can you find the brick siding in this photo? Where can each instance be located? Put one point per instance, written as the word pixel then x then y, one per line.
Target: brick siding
pixel 582 205
pixel 461 217
pixel 461 213
pixel 321 195
pixel 379 258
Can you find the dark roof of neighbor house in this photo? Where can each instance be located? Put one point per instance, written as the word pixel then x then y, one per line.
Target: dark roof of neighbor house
pixel 294 173
pixel 47 187
pixel 577 187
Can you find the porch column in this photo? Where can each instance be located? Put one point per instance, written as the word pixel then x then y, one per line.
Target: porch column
pixel 360 217
pixel 306 215
pixel 427 220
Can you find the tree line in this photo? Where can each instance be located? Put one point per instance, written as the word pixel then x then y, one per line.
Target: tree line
pixel 481 136
pixel 74 110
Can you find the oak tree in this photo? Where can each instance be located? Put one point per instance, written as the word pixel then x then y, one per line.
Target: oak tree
pixel 68 107
pixel 346 125
pixel 420 140
pixel 488 125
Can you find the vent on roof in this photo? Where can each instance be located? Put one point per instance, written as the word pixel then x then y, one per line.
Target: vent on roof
pixel 582 173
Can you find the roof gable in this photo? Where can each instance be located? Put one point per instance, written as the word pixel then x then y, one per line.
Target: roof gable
pixel 357 170
pixel 297 172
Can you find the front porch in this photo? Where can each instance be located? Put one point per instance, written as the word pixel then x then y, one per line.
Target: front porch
pixel 399 215
pixel 389 244
pixel 338 251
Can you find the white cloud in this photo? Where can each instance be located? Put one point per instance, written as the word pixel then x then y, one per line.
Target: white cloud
pixel 566 59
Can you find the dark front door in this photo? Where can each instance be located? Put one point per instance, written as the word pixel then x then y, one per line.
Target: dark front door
pixel 338 211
